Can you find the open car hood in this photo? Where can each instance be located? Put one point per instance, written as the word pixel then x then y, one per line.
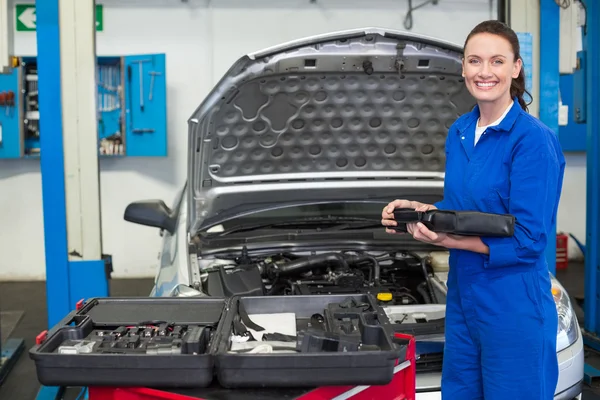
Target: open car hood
pixel 345 115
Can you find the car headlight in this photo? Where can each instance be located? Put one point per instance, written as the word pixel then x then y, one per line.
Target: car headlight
pixel 567 321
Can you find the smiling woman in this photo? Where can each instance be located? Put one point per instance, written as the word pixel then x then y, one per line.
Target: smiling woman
pixel 499 160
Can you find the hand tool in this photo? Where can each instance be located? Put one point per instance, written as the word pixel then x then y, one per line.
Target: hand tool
pixel 130 96
pixel 3 101
pixel 143 130
pixel 10 102
pixel 141 75
pixel 152 74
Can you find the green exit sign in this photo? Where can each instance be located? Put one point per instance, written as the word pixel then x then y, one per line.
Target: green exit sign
pixel 25 17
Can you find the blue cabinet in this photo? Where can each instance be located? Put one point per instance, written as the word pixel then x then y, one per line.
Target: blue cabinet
pixel 131 107
pixel 11 142
pixel 573 136
pixel 146 130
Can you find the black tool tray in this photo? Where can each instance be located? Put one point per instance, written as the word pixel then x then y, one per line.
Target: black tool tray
pixel 157 354
pixel 313 361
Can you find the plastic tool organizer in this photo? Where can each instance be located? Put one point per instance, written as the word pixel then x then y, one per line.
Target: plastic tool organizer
pixel 250 342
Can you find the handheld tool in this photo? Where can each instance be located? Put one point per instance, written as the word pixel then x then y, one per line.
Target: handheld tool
pixel 10 102
pixel 3 101
pixel 152 75
pixel 143 130
pixel 129 95
pixel 141 76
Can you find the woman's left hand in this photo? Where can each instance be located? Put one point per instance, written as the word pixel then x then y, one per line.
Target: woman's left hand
pixel 420 232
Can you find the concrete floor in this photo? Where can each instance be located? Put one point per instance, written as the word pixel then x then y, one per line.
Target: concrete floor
pixel 30 299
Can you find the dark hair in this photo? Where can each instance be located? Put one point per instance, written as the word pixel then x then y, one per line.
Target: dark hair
pixel 517 87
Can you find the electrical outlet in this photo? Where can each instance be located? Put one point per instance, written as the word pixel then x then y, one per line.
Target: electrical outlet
pixel 563 115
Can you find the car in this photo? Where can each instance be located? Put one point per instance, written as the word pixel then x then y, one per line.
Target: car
pixel 292 157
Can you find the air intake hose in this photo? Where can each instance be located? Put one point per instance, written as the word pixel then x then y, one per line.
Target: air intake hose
pixel 306 264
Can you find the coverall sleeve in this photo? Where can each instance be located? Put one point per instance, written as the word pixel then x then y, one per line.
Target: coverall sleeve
pixel 536 174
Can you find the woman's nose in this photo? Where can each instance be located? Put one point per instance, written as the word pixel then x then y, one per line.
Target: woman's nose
pixel 485 70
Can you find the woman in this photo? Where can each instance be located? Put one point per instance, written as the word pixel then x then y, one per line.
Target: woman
pixel 501 319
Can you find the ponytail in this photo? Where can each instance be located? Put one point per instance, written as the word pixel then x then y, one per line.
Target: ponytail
pixel 517 89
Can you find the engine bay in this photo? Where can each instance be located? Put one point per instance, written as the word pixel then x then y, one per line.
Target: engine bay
pixel 394 278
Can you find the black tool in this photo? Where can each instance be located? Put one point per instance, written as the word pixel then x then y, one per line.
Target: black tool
pixel 466 223
pixel 192 340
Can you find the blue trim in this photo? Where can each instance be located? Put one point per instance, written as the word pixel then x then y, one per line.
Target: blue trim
pixel 52 163
pixel 549 88
pixel 87 280
pixel 11 351
pixel 589 373
pixel 49 392
pixel 591 44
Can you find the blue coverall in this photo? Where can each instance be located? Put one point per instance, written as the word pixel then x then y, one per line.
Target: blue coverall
pixel 501 319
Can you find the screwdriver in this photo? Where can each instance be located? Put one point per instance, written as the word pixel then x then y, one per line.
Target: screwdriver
pixel 3 100
pixel 10 101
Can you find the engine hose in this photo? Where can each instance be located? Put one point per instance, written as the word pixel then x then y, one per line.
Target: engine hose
pixel 306 264
pixel 376 267
pixel 423 292
pixel 423 262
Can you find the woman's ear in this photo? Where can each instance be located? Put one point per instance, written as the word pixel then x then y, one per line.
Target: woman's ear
pixel 517 68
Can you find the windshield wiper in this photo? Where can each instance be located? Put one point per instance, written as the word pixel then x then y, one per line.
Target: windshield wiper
pixel 372 224
pixel 336 223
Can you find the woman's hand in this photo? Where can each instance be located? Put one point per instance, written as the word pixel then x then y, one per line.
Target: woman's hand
pixel 387 215
pixel 418 230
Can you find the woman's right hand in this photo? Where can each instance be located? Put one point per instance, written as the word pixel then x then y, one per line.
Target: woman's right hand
pixel 387 215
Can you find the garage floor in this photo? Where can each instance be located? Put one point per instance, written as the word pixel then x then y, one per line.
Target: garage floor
pixel 26 303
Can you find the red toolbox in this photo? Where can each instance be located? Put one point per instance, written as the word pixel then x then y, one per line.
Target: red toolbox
pixel 402 387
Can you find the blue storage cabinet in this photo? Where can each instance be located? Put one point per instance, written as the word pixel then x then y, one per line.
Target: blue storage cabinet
pixel 573 136
pixel 111 106
pixel 30 124
pixel 11 140
pixel 146 131
pixel 132 119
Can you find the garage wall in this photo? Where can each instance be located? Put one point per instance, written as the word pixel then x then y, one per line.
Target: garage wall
pixel 201 40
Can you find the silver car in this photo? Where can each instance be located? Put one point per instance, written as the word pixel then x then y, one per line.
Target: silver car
pixel 293 155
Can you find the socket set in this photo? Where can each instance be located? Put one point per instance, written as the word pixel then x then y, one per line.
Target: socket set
pixel 145 339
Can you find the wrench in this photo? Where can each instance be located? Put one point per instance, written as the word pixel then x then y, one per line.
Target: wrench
pixel 141 75
pixel 152 74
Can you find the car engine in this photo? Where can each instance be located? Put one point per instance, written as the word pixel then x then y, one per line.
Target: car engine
pixel 397 278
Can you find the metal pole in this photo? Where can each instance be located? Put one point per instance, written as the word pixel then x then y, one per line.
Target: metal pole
pixel 592 65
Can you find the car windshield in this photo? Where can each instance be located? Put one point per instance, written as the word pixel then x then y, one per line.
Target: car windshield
pixel 321 213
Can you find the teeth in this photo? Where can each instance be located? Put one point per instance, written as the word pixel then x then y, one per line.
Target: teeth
pixel 486 84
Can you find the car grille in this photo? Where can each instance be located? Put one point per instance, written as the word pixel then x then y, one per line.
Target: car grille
pixel 431 362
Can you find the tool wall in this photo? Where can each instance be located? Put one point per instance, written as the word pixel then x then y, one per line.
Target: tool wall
pixel 131 107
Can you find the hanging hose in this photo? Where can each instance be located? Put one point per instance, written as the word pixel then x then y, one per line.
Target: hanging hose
pixel 423 262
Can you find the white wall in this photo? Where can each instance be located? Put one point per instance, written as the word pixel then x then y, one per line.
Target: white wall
pixel 571 212
pixel 201 39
